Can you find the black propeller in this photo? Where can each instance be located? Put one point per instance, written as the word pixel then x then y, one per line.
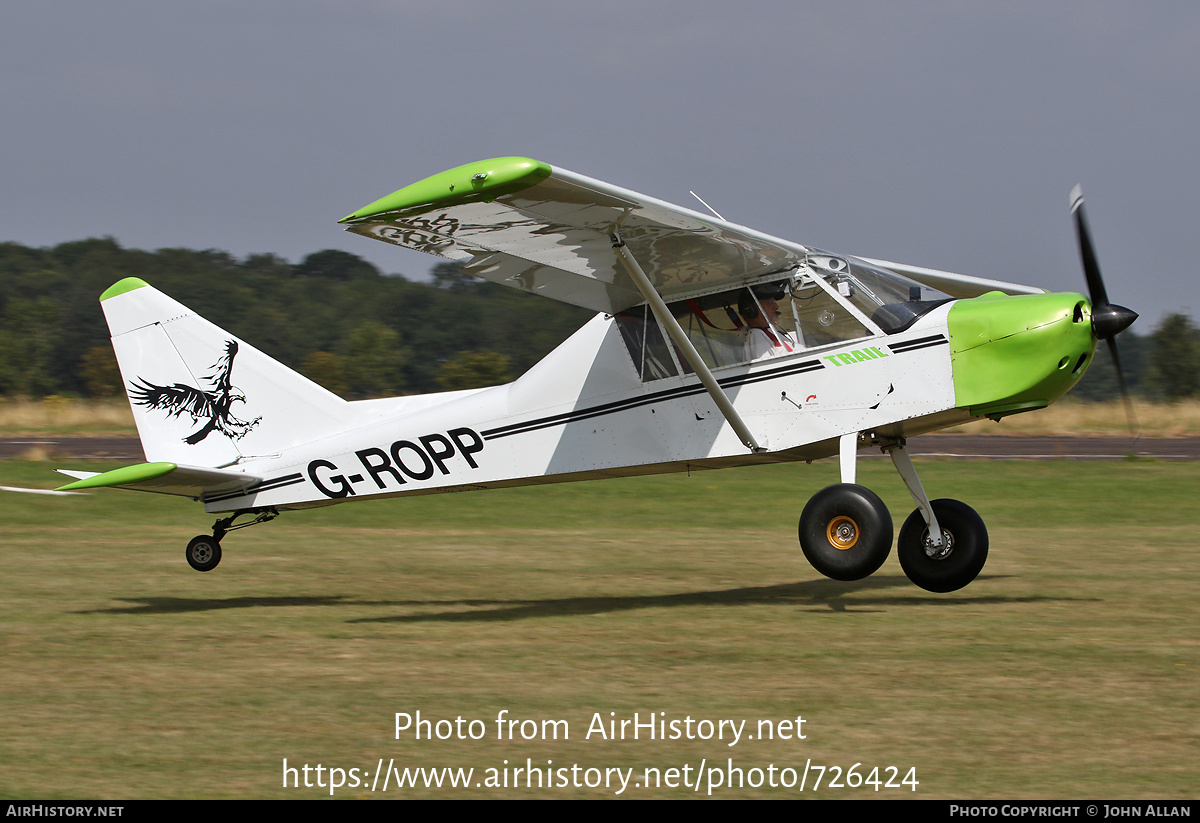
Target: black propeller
pixel 1108 319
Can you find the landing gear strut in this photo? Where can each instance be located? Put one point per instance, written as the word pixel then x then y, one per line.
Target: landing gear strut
pixel 203 552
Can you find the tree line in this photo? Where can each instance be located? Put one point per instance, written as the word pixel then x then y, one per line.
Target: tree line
pixel 333 317
pixel 360 333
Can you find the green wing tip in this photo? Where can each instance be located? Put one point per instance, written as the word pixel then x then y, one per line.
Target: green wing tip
pixel 482 180
pixel 122 286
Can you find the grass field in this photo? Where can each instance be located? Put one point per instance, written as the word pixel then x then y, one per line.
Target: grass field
pixel 1069 669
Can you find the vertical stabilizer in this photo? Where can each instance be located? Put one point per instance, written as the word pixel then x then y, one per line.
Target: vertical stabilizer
pixel 201 396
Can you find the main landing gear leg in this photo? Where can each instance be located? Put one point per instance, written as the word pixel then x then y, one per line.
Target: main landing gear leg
pixel 908 473
pixel 204 552
pixel 846 530
pixel 943 544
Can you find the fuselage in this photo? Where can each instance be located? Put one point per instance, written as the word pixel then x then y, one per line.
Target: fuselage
pixel 588 411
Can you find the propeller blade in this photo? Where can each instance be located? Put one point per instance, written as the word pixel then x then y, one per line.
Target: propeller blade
pixel 1091 269
pixel 1130 417
pixel 1108 319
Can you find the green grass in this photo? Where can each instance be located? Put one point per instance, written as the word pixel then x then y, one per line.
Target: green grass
pixel 1068 669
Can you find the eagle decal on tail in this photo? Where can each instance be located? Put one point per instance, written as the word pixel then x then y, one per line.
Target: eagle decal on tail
pixel 210 406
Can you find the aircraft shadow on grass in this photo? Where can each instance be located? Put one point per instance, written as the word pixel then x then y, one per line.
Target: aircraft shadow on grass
pixel 172 605
pixel 809 595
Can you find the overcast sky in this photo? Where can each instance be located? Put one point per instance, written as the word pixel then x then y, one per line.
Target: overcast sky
pixel 942 134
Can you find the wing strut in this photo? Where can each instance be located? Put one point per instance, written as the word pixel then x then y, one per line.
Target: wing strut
pixel 684 344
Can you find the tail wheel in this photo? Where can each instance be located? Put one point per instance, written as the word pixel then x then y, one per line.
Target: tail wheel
pixel 957 561
pixel 846 531
pixel 203 553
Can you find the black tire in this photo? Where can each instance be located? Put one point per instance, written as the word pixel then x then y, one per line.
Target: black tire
pixel 960 559
pixel 203 553
pixel 846 531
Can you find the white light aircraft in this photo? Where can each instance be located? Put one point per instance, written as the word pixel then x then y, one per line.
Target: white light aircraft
pixel 714 345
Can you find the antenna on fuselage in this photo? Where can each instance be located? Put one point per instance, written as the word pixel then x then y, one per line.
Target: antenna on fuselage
pixel 710 208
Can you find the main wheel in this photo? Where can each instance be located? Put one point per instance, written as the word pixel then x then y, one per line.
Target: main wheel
pixel 846 531
pixel 203 553
pixel 957 561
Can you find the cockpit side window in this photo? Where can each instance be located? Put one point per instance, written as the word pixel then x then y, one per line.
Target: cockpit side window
pixel 818 317
pixel 743 325
pixel 714 327
pixel 826 301
pixel 644 339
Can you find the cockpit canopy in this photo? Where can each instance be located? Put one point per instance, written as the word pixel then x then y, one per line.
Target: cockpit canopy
pixel 825 301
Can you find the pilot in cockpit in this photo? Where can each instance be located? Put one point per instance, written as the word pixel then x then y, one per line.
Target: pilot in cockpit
pixel 763 337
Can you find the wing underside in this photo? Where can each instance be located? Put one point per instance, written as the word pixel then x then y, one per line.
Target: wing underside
pixel 549 231
pixel 955 285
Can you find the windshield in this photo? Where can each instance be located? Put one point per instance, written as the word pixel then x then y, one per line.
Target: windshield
pixel 892 301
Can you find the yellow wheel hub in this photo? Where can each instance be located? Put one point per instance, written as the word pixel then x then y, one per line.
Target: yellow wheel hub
pixel 842 533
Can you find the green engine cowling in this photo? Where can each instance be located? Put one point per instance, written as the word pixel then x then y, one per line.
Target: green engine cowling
pixel 1015 353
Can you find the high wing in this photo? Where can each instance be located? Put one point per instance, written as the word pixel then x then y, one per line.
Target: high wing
pixel 955 285
pixel 549 231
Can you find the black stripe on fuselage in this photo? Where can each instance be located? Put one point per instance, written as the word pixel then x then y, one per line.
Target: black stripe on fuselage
pixel 918 343
pixel 646 399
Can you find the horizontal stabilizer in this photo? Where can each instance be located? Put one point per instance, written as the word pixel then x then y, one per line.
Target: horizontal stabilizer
pixel 163 478
pixel 77 475
pixel 24 490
